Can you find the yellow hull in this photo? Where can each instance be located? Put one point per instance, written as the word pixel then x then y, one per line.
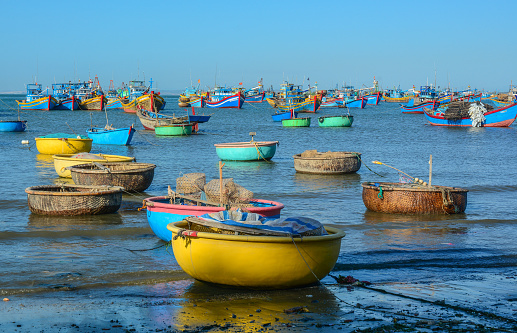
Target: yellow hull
pixel 62 161
pixel 52 146
pixel 269 262
pixel 397 100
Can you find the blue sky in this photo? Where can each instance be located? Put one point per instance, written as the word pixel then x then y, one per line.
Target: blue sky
pixel 402 43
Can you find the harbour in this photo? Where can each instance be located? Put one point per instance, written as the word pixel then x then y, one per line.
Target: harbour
pixel 111 271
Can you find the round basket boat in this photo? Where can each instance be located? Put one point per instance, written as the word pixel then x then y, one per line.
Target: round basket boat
pixel 73 199
pixel 62 143
pixel 62 162
pixel 409 198
pixel 133 177
pixel 330 163
pixel 246 151
pixel 270 262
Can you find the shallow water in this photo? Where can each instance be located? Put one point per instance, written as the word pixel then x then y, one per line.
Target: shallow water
pixel 101 254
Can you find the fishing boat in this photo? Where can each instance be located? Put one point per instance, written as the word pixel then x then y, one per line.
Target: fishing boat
pixel 502 117
pixel 174 129
pixel 62 162
pixel 419 108
pixel 63 143
pixel 356 102
pixel 224 98
pixel 373 99
pixel 396 96
pixel 152 119
pixel 66 199
pixel 111 136
pixel 64 93
pixel 246 151
pixel 35 99
pixel 307 104
pixel 297 122
pixel 278 116
pixel 236 254
pixel 413 198
pixel 13 125
pixel 336 121
pixel 133 177
pixel 113 98
pixel 331 163
pixel 91 95
pixel 142 97
pixel 163 210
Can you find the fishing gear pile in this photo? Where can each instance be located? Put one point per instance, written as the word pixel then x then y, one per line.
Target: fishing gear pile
pixel 458 110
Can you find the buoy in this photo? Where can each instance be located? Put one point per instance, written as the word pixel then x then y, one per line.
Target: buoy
pixel 25 142
pixel 417 180
pixel 6 299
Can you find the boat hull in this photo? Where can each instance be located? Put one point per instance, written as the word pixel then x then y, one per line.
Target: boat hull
pixel 356 103
pixel 160 212
pixel 283 115
pixel 270 262
pixel 173 130
pixel 119 136
pixel 235 101
pixel 296 122
pixel 335 121
pixel 94 104
pixel 114 104
pixel 63 161
pixel 68 104
pixel 46 103
pixel 52 146
pixel 307 106
pixel 398 198
pixel 419 109
pixel 246 151
pixel 13 125
pixel 373 99
pixel 328 164
pixel 502 117
pixel 258 98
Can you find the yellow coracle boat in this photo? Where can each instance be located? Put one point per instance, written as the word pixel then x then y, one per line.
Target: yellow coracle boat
pixel 270 262
pixel 62 143
pixel 63 161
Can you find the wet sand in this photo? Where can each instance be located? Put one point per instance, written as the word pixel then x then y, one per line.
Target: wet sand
pixel 486 303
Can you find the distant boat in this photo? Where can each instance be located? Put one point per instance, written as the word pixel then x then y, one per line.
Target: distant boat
pixel 142 97
pixel 224 98
pixel 502 117
pixel 152 119
pixel 13 125
pixel 35 99
pixel 373 99
pixel 419 108
pixel 359 102
pixel 91 96
pixel 278 116
pixel 64 93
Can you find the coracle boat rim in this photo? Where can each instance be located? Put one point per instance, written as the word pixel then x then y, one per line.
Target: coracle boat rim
pixel 348 155
pixel 334 233
pixel 155 202
pixel 96 190
pixel 246 144
pixel 134 168
pixel 105 157
pixel 410 187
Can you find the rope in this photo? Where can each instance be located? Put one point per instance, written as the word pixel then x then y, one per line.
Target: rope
pixel 259 153
pixel 146 139
pixel 380 196
pixel 306 263
pixel 366 165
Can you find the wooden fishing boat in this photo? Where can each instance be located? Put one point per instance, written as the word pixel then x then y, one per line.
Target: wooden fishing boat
pixel 341 162
pixel 224 98
pixel 373 99
pixel 35 99
pixel 111 136
pixel 174 129
pixel 133 177
pixel 94 103
pixel 359 102
pixel 419 108
pixel 163 210
pixel 308 104
pixel 62 143
pixel 502 117
pixel 336 121
pixel 152 119
pixel 296 122
pixel 411 198
pixel 278 116
pixel 63 161
pixel 13 125
pixel 246 151
pixel 65 199
pixel 64 93
pixel 255 261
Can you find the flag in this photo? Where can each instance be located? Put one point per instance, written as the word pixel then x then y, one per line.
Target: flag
pixel 240 83
pixel 198 81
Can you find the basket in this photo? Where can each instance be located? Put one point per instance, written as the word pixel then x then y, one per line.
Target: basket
pixel 190 183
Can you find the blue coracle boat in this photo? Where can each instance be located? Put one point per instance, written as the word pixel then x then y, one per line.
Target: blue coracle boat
pixel 283 115
pixel 246 151
pixel 13 125
pixel 111 136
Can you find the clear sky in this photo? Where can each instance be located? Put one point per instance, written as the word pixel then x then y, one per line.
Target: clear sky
pixel 404 43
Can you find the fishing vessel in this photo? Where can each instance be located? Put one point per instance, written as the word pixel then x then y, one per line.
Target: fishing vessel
pixel 142 97
pixel 501 117
pixel 64 93
pixel 36 99
pixel 224 98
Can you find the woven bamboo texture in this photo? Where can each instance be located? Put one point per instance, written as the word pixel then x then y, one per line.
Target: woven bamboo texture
pixel 133 177
pixel 406 198
pixel 73 200
pixel 191 183
pixel 313 162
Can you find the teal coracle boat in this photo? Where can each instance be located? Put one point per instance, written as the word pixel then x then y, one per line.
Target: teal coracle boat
pixel 174 129
pixel 335 121
pixel 246 151
pixel 296 122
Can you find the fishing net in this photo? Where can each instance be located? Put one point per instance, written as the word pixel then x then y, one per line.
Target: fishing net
pixel 458 110
pixel 190 183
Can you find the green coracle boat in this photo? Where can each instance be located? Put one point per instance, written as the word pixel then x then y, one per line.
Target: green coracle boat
pixel 335 121
pixel 296 122
pixel 174 129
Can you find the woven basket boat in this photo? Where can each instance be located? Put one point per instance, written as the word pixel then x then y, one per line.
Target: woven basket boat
pixel 330 163
pixel 133 177
pixel 407 198
pixel 73 199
